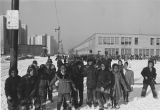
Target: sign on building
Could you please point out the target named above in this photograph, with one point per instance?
(12, 19)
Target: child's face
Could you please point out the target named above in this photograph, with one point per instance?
(115, 69)
(119, 63)
(90, 63)
(31, 72)
(63, 70)
(102, 66)
(150, 65)
(13, 73)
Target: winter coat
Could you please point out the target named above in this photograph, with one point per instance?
(105, 79)
(65, 83)
(11, 86)
(27, 88)
(129, 76)
(42, 84)
(51, 70)
(91, 74)
(77, 76)
(151, 75)
(118, 84)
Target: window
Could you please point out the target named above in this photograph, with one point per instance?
(122, 51)
(152, 41)
(126, 41)
(136, 41)
(158, 41)
(144, 52)
(117, 51)
(112, 40)
(130, 40)
(104, 40)
(140, 51)
(100, 40)
(151, 52)
(135, 51)
(147, 52)
(108, 40)
(122, 40)
(113, 51)
(116, 40)
(157, 51)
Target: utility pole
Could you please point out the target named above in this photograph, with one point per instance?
(14, 40)
(58, 29)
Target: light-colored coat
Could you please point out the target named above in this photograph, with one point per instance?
(129, 75)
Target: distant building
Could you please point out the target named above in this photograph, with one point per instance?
(120, 44)
(38, 40)
(52, 45)
(23, 34)
(4, 35)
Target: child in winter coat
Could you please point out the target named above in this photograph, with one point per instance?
(41, 88)
(104, 83)
(91, 74)
(11, 89)
(64, 85)
(27, 87)
(117, 88)
(149, 74)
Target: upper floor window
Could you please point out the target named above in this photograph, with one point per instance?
(136, 41)
(112, 40)
(126, 41)
(116, 40)
(122, 40)
(158, 41)
(152, 41)
(130, 41)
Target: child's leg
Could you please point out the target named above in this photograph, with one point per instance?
(89, 97)
(59, 101)
(100, 100)
(67, 98)
(144, 89)
(94, 97)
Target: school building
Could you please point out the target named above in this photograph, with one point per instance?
(119, 44)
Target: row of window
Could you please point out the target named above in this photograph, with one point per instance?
(124, 41)
(108, 40)
(128, 51)
(152, 41)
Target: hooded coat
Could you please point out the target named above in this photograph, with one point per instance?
(11, 86)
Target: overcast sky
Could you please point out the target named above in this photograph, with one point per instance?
(79, 19)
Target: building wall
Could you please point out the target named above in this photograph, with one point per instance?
(122, 44)
(30, 49)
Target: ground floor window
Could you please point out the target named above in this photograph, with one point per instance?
(151, 52)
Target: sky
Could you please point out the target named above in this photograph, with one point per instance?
(79, 19)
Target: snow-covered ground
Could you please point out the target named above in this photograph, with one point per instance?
(136, 102)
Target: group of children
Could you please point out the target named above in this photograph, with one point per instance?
(105, 83)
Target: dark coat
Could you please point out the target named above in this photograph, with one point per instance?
(151, 75)
(91, 74)
(65, 83)
(105, 79)
(27, 88)
(51, 70)
(42, 84)
(11, 86)
(77, 76)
